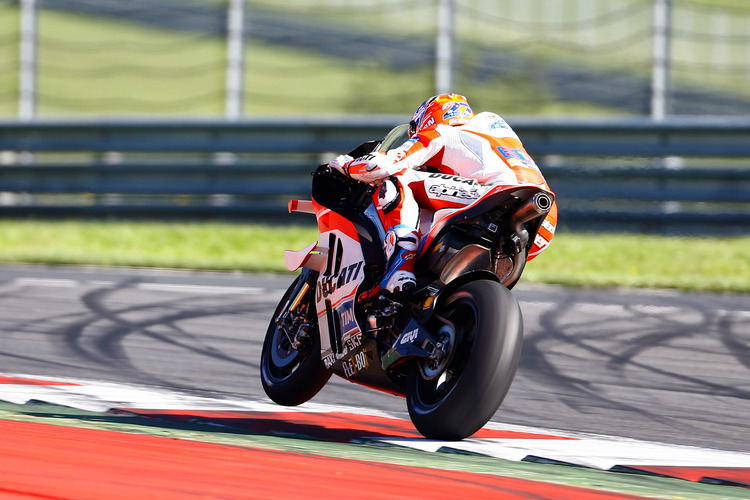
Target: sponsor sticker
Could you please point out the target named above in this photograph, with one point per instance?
(517, 154)
(440, 190)
(354, 341)
(456, 110)
(409, 336)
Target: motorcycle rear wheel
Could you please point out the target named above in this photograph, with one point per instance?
(488, 336)
(290, 376)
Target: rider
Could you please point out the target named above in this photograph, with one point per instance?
(452, 158)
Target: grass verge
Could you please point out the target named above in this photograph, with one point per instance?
(574, 259)
(98, 65)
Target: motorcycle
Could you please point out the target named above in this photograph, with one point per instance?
(450, 346)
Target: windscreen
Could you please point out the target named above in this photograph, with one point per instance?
(396, 137)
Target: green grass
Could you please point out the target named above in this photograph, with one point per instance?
(103, 66)
(100, 66)
(178, 245)
(96, 65)
(636, 260)
(573, 258)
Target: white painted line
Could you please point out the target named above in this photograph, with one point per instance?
(104, 284)
(63, 283)
(167, 287)
(157, 287)
(737, 312)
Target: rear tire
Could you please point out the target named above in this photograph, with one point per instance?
(291, 377)
(488, 337)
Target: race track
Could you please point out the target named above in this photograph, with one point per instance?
(649, 365)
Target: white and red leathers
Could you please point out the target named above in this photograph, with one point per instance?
(446, 167)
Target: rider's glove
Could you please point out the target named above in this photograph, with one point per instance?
(339, 163)
(374, 168)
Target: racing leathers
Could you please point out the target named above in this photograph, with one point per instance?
(444, 167)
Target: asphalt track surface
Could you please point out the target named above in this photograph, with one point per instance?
(651, 365)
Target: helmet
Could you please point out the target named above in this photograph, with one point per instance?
(445, 109)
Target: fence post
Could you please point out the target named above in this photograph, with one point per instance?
(444, 47)
(27, 60)
(235, 59)
(660, 60)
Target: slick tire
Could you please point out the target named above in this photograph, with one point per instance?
(291, 377)
(488, 336)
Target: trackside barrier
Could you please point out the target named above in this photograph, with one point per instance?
(680, 175)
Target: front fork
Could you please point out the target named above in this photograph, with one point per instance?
(298, 317)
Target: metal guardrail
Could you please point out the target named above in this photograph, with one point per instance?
(277, 135)
(677, 175)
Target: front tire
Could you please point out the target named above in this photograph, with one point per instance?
(488, 337)
(290, 374)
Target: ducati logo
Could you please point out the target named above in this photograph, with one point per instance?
(329, 284)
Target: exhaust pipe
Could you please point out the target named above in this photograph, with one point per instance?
(539, 204)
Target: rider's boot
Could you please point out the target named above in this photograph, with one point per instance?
(401, 251)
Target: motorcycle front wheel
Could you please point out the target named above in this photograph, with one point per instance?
(488, 333)
(292, 374)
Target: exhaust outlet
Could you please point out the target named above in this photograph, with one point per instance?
(539, 204)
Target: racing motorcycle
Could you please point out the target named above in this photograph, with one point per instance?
(450, 346)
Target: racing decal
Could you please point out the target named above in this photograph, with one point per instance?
(354, 341)
(350, 364)
(526, 170)
(338, 273)
(517, 154)
(454, 178)
(410, 336)
(499, 123)
(440, 190)
(547, 224)
(357, 363)
(453, 110)
(545, 234)
(540, 242)
(336, 287)
(329, 284)
(345, 313)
